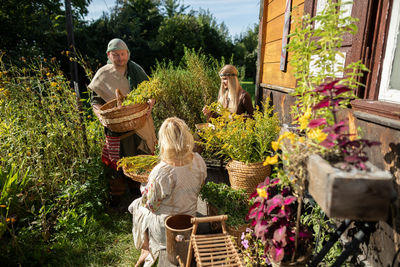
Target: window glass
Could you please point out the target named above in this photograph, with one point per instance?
(395, 75)
(389, 89)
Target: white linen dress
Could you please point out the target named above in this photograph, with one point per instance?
(170, 190)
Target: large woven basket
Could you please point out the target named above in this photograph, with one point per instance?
(141, 178)
(247, 176)
(120, 118)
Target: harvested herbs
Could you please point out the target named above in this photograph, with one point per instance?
(146, 90)
(139, 164)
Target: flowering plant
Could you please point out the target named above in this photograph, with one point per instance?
(273, 216)
(346, 148)
(239, 138)
(252, 249)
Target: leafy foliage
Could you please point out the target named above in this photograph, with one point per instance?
(252, 249)
(41, 130)
(347, 147)
(273, 216)
(139, 164)
(316, 57)
(145, 91)
(227, 200)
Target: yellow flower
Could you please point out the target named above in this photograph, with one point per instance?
(271, 160)
(262, 193)
(288, 135)
(3, 206)
(317, 134)
(54, 84)
(275, 145)
(301, 139)
(305, 118)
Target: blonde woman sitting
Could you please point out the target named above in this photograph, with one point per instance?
(231, 95)
(173, 188)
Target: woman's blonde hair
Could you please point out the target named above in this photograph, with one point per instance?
(175, 139)
(232, 93)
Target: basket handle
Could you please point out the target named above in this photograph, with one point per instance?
(119, 96)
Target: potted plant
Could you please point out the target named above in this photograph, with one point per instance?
(245, 141)
(342, 181)
(273, 216)
(222, 199)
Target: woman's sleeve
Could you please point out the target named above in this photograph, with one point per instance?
(158, 188)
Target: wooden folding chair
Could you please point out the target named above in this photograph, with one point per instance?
(212, 249)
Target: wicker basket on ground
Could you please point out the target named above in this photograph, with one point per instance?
(141, 178)
(120, 118)
(247, 176)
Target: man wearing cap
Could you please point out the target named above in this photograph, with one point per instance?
(121, 73)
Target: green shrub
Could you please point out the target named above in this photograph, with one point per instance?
(185, 89)
(227, 200)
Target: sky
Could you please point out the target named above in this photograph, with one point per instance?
(238, 15)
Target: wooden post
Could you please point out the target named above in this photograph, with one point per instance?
(74, 71)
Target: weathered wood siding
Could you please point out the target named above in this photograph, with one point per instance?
(273, 82)
(272, 31)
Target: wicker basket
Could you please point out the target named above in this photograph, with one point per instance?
(141, 178)
(247, 176)
(120, 118)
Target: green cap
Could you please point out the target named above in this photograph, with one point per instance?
(117, 44)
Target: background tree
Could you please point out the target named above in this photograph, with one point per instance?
(31, 28)
(245, 51)
(173, 7)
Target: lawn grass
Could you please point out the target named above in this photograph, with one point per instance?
(106, 244)
(106, 241)
(249, 86)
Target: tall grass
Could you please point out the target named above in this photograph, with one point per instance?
(41, 131)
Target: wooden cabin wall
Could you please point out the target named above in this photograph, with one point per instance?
(277, 85)
(385, 241)
(273, 82)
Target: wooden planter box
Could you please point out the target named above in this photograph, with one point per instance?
(356, 195)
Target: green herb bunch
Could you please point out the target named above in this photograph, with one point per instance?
(139, 164)
(228, 201)
(146, 90)
(316, 57)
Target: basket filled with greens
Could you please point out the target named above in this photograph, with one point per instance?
(138, 167)
(128, 113)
